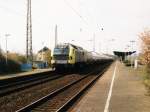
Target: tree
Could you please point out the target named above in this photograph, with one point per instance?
(145, 37)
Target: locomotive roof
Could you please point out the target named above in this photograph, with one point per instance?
(65, 45)
(61, 46)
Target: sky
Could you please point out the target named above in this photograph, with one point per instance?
(79, 21)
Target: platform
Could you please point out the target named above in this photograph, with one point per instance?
(120, 89)
(7, 76)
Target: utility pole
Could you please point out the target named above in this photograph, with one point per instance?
(29, 53)
(55, 35)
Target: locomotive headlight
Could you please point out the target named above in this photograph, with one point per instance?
(52, 61)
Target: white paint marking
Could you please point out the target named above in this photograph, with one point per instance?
(110, 91)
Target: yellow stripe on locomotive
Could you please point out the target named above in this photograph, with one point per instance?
(72, 58)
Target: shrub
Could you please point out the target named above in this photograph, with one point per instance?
(145, 37)
(13, 63)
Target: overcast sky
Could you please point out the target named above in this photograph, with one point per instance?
(78, 20)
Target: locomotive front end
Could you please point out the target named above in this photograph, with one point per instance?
(62, 57)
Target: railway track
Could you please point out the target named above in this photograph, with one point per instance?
(23, 84)
(18, 99)
(10, 82)
(9, 86)
(61, 98)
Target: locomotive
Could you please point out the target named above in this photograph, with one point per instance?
(67, 55)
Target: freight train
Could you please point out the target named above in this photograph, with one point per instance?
(67, 55)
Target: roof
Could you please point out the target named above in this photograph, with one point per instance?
(123, 54)
(63, 45)
(118, 53)
(44, 49)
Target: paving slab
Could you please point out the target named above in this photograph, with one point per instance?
(95, 99)
(125, 93)
(129, 92)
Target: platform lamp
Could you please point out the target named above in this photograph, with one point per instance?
(6, 36)
(132, 42)
(42, 51)
(127, 50)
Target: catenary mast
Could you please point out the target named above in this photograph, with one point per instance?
(29, 53)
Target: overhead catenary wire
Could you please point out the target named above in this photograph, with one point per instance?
(83, 6)
(76, 12)
(82, 18)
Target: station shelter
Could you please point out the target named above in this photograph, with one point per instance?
(123, 55)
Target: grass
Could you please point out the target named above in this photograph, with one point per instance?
(146, 79)
(144, 72)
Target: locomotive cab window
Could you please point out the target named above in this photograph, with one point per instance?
(58, 51)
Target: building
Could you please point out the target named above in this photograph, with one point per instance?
(44, 56)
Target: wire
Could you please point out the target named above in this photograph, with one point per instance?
(66, 2)
(92, 17)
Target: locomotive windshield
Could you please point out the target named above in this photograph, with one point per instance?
(61, 51)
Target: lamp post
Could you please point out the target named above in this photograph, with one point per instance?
(6, 36)
(132, 60)
(128, 51)
(42, 51)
